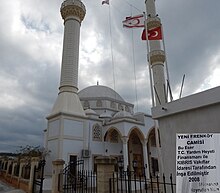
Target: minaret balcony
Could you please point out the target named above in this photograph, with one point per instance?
(157, 56)
(153, 22)
(73, 8)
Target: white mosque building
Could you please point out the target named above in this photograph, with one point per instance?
(95, 121)
(109, 128)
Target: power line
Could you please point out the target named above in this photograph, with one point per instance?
(110, 29)
(133, 6)
(134, 65)
(124, 13)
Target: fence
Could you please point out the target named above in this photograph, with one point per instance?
(38, 177)
(20, 173)
(75, 179)
(129, 182)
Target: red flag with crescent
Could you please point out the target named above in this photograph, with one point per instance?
(153, 34)
(134, 21)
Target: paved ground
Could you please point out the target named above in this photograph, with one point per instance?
(4, 188)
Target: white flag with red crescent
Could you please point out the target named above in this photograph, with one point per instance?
(134, 21)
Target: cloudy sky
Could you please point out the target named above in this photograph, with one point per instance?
(31, 36)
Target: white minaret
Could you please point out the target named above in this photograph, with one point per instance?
(156, 60)
(64, 135)
(73, 12)
(156, 56)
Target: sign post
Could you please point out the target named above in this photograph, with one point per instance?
(198, 163)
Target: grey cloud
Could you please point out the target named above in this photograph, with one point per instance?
(32, 59)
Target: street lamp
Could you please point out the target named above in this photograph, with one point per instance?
(135, 165)
(120, 166)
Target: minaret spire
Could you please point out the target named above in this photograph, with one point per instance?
(73, 13)
(156, 55)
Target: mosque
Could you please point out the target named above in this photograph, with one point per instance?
(109, 127)
(98, 121)
(95, 121)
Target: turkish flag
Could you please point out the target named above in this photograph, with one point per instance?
(153, 34)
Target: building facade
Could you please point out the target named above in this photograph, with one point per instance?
(97, 120)
(109, 128)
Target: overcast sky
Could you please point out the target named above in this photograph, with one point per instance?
(31, 36)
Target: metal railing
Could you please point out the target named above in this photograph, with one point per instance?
(38, 177)
(74, 179)
(129, 182)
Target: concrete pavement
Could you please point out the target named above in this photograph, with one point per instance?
(5, 188)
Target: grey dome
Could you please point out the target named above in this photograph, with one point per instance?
(90, 112)
(123, 114)
(106, 115)
(98, 91)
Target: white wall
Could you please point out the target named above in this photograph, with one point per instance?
(53, 128)
(73, 128)
(200, 120)
(53, 146)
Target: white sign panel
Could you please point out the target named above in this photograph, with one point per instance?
(198, 163)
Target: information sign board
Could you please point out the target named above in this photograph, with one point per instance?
(198, 163)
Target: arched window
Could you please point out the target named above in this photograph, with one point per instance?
(135, 139)
(114, 136)
(97, 132)
(99, 103)
(127, 109)
(86, 105)
(113, 105)
(152, 139)
(120, 107)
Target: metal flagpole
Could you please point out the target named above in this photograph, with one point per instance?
(112, 55)
(150, 72)
(166, 66)
(148, 57)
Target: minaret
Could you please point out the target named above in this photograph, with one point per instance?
(66, 121)
(73, 13)
(156, 56)
(156, 60)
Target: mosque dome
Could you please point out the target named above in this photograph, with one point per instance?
(106, 115)
(90, 112)
(123, 114)
(103, 100)
(99, 91)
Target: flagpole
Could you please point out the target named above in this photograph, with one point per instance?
(112, 55)
(151, 86)
(148, 57)
(166, 66)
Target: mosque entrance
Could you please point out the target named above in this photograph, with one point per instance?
(135, 153)
(153, 156)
